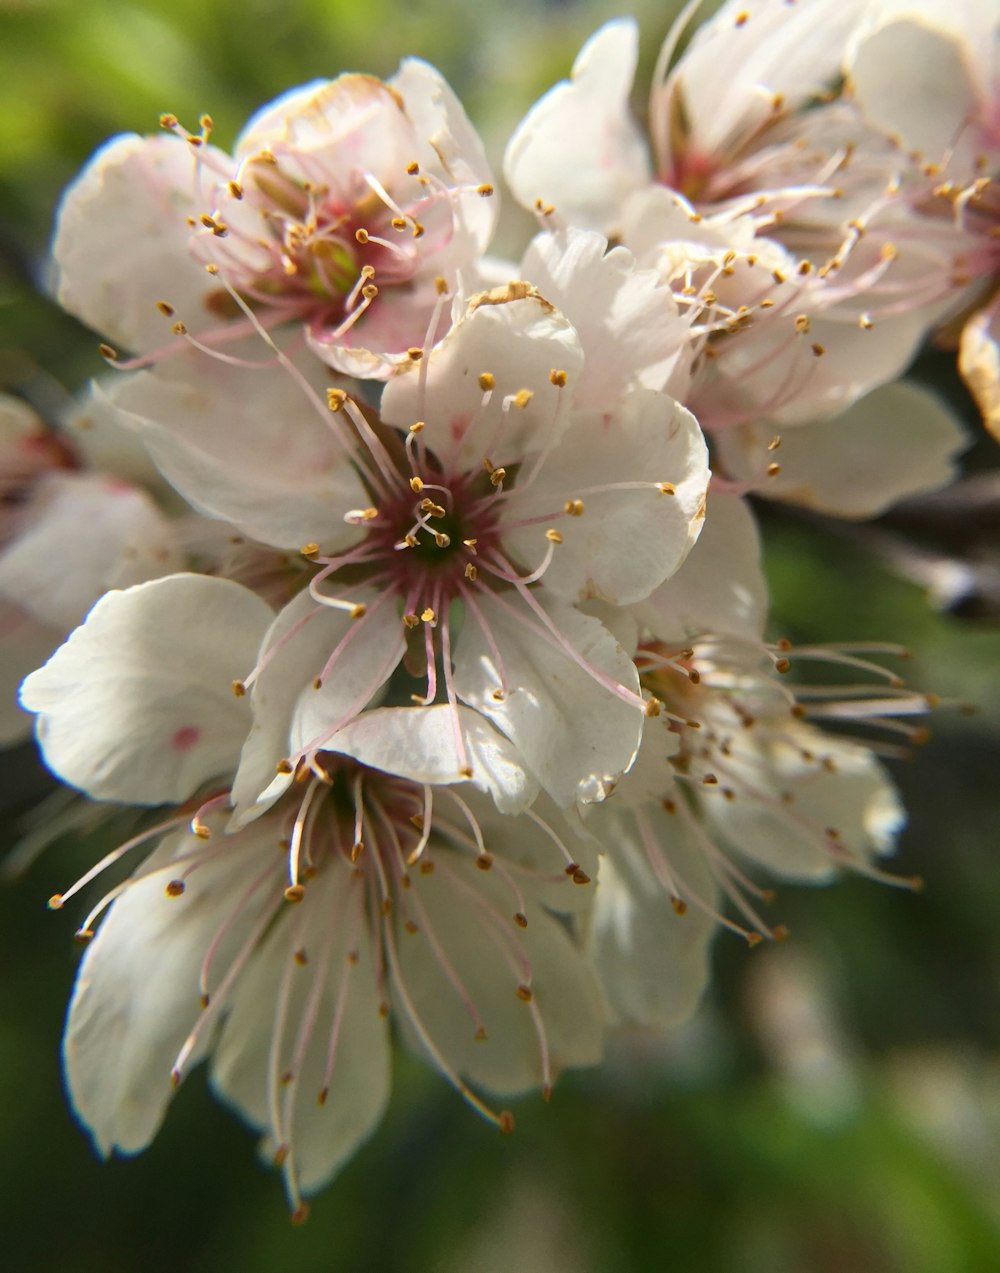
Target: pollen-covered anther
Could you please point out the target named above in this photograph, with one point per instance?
(710, 780)
(83, 935)
(361, 235)
(428, 615)
(411, 620)
(573, 508)
(416, 485)
(497, 475)
(524, 993)
(335, 399)
(471, 573)
(179, 328)
(580, 876)
(782, 665)
(774, 443)
(773, 470)
(284, 766)
(520, 919)
(109, 352)
(667, 488)
(358, 610)
(522, 398)
(653, 706)
(294, 893)
(174, 888)
(553, 536)
(802, 323)
(754, 939)
(465, 771)
(236, 190)
(55, 902)
(218, 228)
(558, 378)
(165, 308)
(309, 551)
(414, 353)
(487, 381)
(679, 905)
(484, 190)
(168, 120)
(418, 426)
(199, 829)
(818, 349)
(485, 861)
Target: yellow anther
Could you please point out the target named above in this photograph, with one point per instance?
(411, 620)
(524, 994)
(818, 349)
(369, 291)
(558, 378)
(653, 707)
(283, 766)
(441, 285)
(497, 476)
(361, 235)
(239, 689)
(774, 443)
(359, 610)
(418, 230)
(168, 121)
(418, 427)
(309, 551)
(165, 308)
(487, 381)
(398, 223)
(428, 615)
(294, 893)
(211, 269)
(414, 353)
(485, 190)
(236, 190)
(667, 488)
(416, 485)
(573, 507)
(742, 18)
(412, 168)
(553, 536)
(179, 329)
(174, 888)
(471, 573)
(107, 351)
(522, 398)
(335, 399)
(802, 323)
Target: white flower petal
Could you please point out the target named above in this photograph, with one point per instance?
(467, 911)
(626, 318)
(138, 704)
(652, 962)
(121, 242)
(56, 573)
(517, 338)
(420, 743)
(574, 731)
(287, 710)
(275, 997)
(720, 588)
(137, 994)
(246, 445)
(854, 797)
(579, 147)
(897, 441)
(628, 541)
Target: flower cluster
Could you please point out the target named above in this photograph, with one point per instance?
(444, 657)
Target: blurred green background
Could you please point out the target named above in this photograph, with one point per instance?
(835, 1106)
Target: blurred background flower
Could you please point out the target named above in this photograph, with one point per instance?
(835, 1106)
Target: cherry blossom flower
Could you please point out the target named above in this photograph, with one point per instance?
(733, 778)
(282, 948)
(348, 206)
(50, 573)
(496, 478)
(773, 206)
(955, 134)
